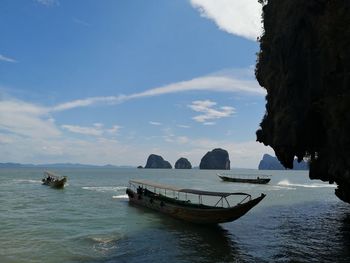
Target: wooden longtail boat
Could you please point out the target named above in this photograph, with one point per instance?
(54, 180)
(245, 179)
(154, 196)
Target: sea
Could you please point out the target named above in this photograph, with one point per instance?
(90, 220)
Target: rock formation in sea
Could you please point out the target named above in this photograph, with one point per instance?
(183, 163)
(157, 162)
(139, 167)
(217, 159)
(304, 65)
(269, 162)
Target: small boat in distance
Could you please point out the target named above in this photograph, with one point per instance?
(252, 179)
(54, 180)
(188, 204)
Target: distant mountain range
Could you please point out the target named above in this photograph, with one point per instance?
(272, 163)
(60, 165)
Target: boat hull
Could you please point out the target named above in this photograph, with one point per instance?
(55, 184)
(213, 215)
(245, 180)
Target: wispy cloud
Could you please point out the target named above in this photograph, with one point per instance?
(209, 112)
(96, 130)
(83, 130)
(183, 126)
(86, 102)
(234, 81)
(238, 17)
(7, 59)
(48, 3)
(27, 120)
(29, 134)
(80, 22)
(155, 123)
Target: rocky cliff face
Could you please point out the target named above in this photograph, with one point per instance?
(157, 162)
(217, 159)
(183, 163)
(269, 162)
(304, 64)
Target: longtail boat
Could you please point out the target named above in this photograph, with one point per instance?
(179, 202)
(53, 180)
(261, 179)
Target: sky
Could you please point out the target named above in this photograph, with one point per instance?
(111, 82)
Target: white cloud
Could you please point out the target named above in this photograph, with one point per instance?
(26, 119)
(114, 130)
(239, 81)
(96, 130)
(155, 123)
(183, 126)
(80, 22)
(182, 139)
(7, 59)
(238, 17)
(48, 2)
(209, 123)
(209, 113)
(83, 130)
(29, 134)
(86, 102)
(215, 83)
(246, 154)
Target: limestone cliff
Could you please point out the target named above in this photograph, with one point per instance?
(157, 162)
(304, 64)
(216, 159)
(269, 162)
(183, 163)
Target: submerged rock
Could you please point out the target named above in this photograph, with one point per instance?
(157, 162)
(304, 64)
(217, 159)
(271, 163)
(183, 163)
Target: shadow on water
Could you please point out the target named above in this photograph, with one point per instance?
(313, 232)
(203, 243)
(164, 239)
(345, 236)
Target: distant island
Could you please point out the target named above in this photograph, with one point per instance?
(183, 163)
(157, 162)
(60, 165)
(217, 159)
(271, 163)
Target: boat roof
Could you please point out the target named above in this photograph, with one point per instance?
(243, 175)
(185, 190)
(49, 173)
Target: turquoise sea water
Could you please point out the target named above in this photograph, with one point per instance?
(91, 221)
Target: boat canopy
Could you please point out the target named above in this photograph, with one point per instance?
(49, 173)
(244, 175)
(184, 190)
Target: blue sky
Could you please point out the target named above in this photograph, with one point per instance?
(114, 81)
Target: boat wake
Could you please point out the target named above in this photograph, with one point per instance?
(104, 189)
(104, 243)
(27, 181)
(286, 183)
(120, 196)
